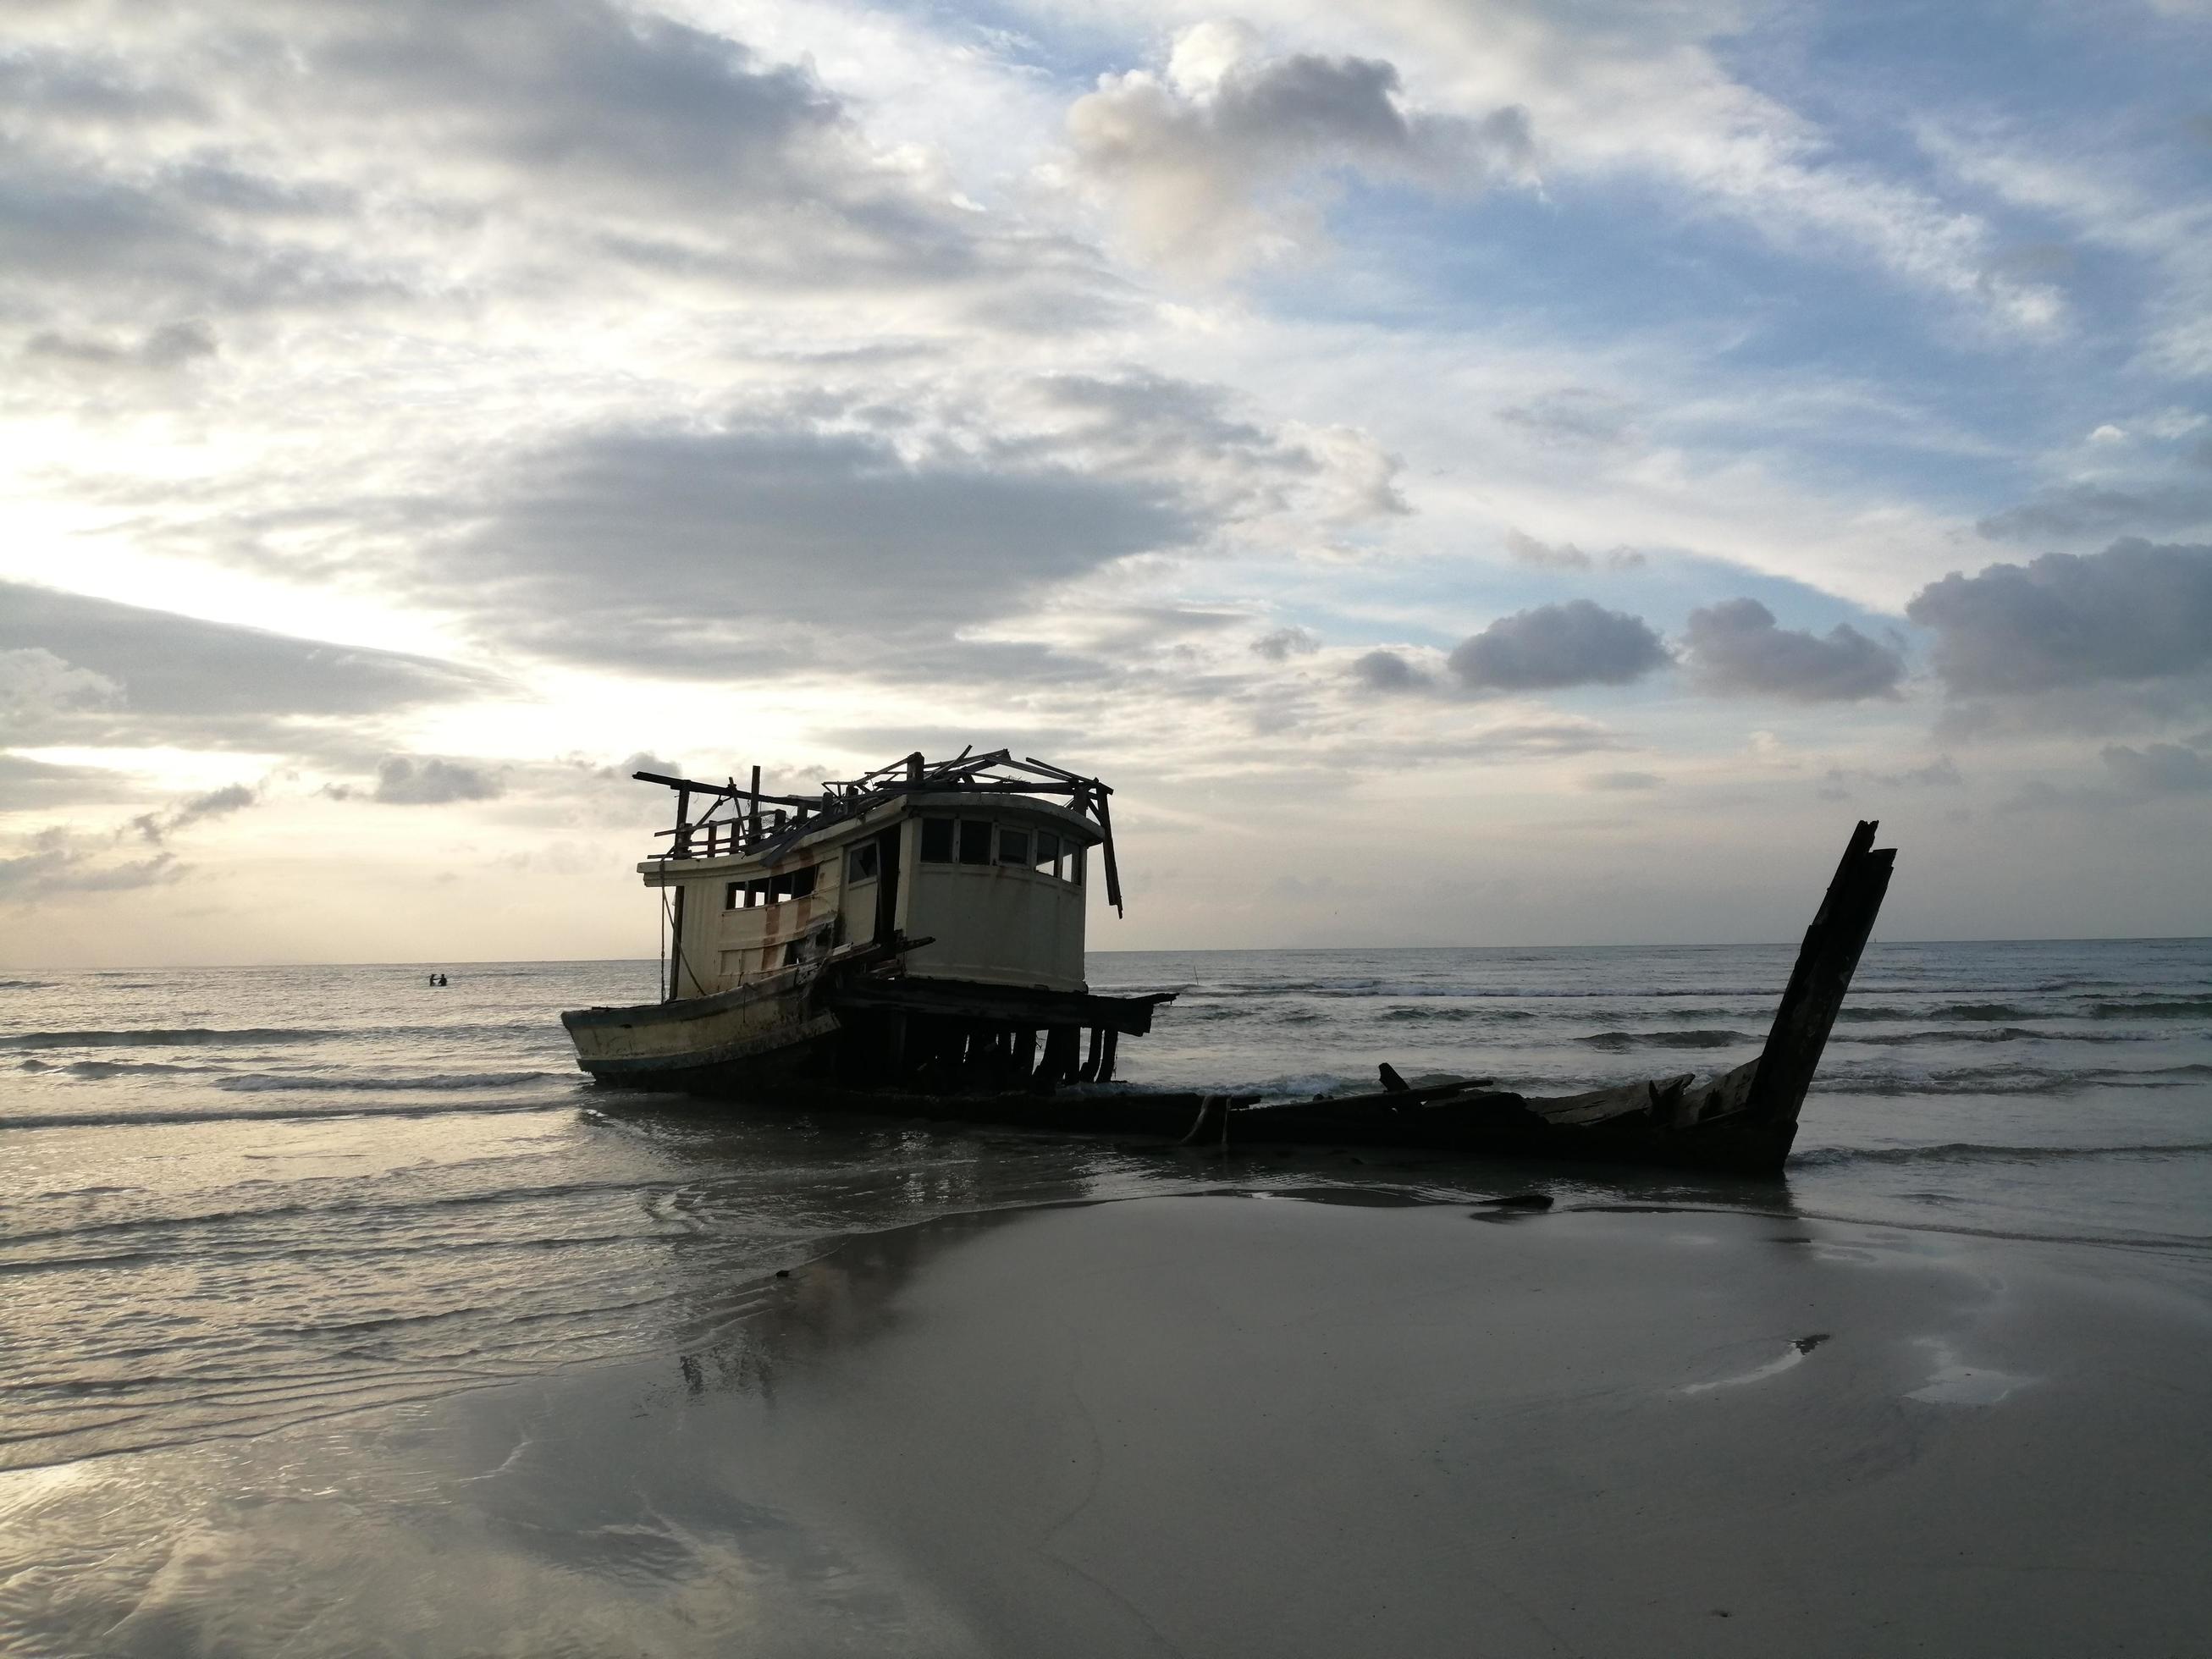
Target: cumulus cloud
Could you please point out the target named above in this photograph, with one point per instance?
(1552, 646)
(2136, 612)
(424, 780)
(1736, 648)
(1220, 161)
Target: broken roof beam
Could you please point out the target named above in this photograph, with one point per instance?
(727, 791)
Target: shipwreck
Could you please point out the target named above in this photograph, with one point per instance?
(911, 942)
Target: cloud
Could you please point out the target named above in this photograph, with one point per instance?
(93, 672)
(426, 780)
(27, 785)
(1633, 780)
(1565, 556)
(1387, 670)
(1574, 418)
(36, 686)
(684, 552)
(1555, 645)
(2099, 510)
(308, 160)
(2158, 769)
(59, 862)
(2136, 612)
(1223, 161)
(1941, 773)
(158, 827)
(1283, 643)
(1736, 648)
(158, 350)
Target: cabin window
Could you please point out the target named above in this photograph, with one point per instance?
(792, 885)
(974, 840)
(1075, 865)
(733, 895)
(791, 954)
(860, 863)
(937, 841)
(1047, 853)
(1013, 846)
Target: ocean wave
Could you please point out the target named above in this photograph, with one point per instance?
(1487, 1016)
(26, 985)
(1967, 1152)
(180, 1037)
(269, 1113)
(2010, 1080)
(1983, 1034)
(1620, 1040)
(107, 1068)
(2152, 1006)
(259, 1082)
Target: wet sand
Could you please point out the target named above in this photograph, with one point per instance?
(1238, 1426)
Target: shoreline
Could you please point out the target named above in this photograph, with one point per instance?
(1316, 1422)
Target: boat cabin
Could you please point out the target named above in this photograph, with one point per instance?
(987, 859)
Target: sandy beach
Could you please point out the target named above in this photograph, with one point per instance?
(1232, 1424)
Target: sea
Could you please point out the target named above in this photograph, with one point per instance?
(236, 1199)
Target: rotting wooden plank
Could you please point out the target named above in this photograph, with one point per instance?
(1826, 963)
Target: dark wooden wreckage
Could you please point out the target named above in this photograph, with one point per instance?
(909, 943)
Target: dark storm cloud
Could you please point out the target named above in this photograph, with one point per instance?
(1736, 649)
(151, 676)
(1552, 647)
(2136, 612)
(742, 551)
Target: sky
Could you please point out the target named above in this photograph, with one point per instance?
(1466, 471)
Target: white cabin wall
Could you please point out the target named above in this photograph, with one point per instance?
(996, 923)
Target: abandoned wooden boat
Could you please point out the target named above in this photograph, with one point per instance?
(900, 943)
